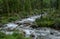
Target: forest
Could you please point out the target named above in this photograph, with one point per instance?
(12, 10)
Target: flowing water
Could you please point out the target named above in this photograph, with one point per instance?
(38, 33)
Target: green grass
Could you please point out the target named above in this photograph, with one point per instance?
(13, 36)
(45, 21)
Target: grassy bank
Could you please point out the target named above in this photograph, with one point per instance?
(13, 36)
(50, 20)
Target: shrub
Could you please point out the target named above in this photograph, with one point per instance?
(45, 22)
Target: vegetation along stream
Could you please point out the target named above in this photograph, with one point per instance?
(29, 19)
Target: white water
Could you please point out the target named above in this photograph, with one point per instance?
(40, 33)
(30, 19)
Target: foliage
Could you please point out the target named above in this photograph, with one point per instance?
(45, 22)
(11, 10)
(13, 36)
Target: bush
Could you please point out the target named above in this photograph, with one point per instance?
(2, 35)
(45, 22)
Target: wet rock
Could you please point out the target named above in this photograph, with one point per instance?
(34, 26)
(26, 24)
(56, 26)
(32, 35)
(51, 33)
(18, 23)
